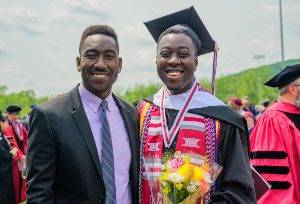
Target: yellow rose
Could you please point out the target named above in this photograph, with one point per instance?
(186, 171)
(198, 174)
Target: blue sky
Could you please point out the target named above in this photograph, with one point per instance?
(39, 39)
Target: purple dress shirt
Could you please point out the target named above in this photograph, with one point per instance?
(119, 137)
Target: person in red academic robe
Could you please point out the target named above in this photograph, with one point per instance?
(6, 180)
(16, 134)
(183, 117)
(275, 140)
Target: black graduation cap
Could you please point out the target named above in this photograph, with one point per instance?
(187, 17)
(285, 76)
(13, 109)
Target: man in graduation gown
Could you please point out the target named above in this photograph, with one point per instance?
(196, 121)
(6, 180)
(16, 134)
(275, 140)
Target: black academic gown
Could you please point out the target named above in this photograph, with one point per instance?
(6, 180)
(235, 183)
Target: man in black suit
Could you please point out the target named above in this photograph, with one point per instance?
(83, 145)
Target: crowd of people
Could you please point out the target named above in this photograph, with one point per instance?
(89, 146)
(249, 111)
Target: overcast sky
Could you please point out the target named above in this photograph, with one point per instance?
(39, 39)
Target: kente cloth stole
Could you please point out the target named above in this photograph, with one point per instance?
(197, 135)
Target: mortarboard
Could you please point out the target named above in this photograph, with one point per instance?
(13, 109)
(285, 76)
(187, 17)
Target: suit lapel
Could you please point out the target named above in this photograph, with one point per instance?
(83, 125)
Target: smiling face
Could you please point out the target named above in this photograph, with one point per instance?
(99, 64)
(176, 62)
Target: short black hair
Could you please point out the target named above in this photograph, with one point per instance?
(98, 29)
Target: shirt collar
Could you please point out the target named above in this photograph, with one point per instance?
(201, 99)
(169, 92)
(94, 101)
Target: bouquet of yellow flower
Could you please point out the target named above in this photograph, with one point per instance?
(184, 182)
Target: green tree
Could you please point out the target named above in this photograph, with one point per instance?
(24, 99)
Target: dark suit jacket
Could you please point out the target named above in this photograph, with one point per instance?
(63, 163)
(7, 195)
